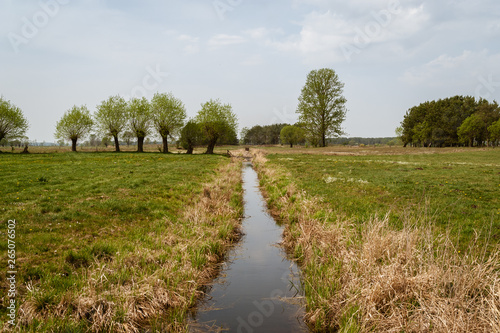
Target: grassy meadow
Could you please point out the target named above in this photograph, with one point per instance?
(115, 242)
(391, 239)
(460, 191)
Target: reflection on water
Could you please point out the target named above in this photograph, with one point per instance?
(257, 290)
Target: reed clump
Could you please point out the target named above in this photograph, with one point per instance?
(378, 278)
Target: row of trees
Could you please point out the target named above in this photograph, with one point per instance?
(274, 134)
(262, 135)
(321, 109)
(459, 120)
(164, 115)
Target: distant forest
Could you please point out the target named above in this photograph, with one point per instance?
(270, 135)
(455, 121)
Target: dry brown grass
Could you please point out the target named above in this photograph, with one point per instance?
(380, 279)
(139, 288)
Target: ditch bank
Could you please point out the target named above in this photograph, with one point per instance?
(258, 289)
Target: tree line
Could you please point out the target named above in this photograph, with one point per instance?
(454, 121)
(321, 108)
(164, 115)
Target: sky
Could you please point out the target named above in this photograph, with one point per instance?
(252, 54)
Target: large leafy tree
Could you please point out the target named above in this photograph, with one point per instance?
(13, 124)
(471, 130)
(190, 136)
(168, 114)
(322, 105)
(494, 132)
(218, 124)
(112, 118)
(75, 124)
(292, 135)
(140, 120)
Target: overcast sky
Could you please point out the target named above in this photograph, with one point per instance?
(253, 54)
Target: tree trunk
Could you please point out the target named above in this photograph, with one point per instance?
(117, 143)
(291, 145)
(323, 138)
(190, 149)
(165, 144)
(211, 146)
(140, 144)
(73, 144)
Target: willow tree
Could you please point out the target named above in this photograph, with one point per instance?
(140, 121)
(218, 124)
(190, 136)
(111, 117)
(168, 115)
(75, 124)
(13, 124)
(322, 105)
(292, 135)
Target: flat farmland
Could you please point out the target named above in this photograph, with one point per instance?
(114, 242)
(459, 190)
(390, 239)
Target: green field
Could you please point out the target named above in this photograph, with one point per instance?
(109, 241)
(459, 191)
(399, 240)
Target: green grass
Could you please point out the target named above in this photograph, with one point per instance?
(461, 191)
(121, 213)
(385, 241)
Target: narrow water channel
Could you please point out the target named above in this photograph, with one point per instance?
(257, 290)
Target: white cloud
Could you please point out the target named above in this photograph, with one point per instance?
(466, 66)
(473, 73)
(188, 38)
(225, 40)
(331, 37)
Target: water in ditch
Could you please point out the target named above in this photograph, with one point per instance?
(257, 290)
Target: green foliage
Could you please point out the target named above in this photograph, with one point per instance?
(322, 106)
(471, 130)
(112, 118)
(75, 124)
(218, 124)
(292, 135)
(13, 124)
(140, 120)
(263, 135)
(128, 136)
(436, 123)
(168, 114)
(494, 131)
(191, 136)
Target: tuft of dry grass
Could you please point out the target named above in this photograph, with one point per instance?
(155, 282)
(374, 278)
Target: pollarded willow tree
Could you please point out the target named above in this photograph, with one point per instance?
(168, 115)
(140, 121)
(13, 124)
(75, 124)
(111, 117)
(322, 105)
(218, 124)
